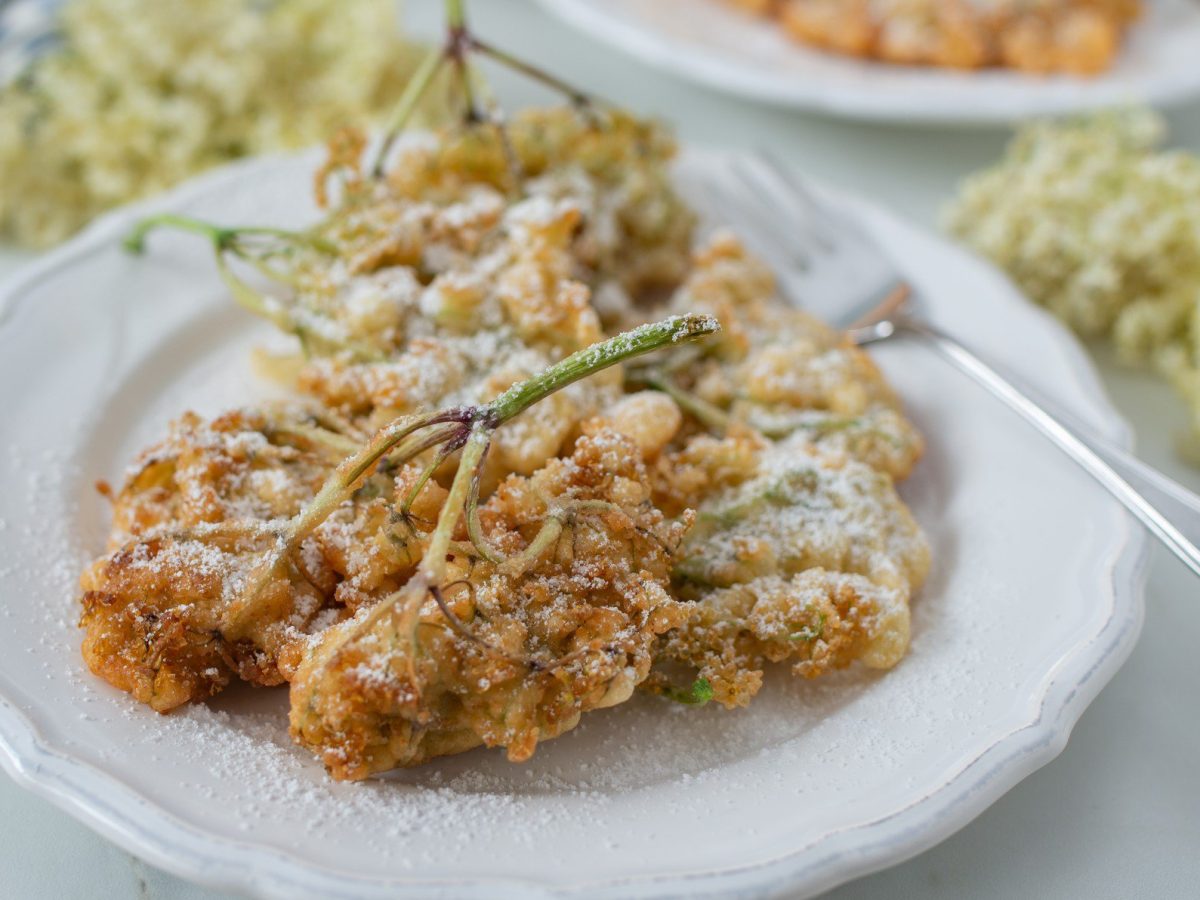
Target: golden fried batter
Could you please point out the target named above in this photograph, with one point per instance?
(635, 230)
(572, 631)
(726, 505)
(796, 553)
(823, 620)
(189, 525)
(441, 205)
(471, 333)
(781, 371)
(468, 268)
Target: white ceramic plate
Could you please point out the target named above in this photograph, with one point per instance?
(1034, 601)
(714, 44)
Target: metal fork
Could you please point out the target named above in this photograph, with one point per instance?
(820, 251)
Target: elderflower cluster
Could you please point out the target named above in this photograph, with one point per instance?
(138, 96)
(1095, 222)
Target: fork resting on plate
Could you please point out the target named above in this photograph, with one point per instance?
(823, 252)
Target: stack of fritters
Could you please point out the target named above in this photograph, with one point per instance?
(675, 524)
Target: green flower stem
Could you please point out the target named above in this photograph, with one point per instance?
(135, 241)
(581, 364)
(408, 435)
(577, 97)
(303, 238)
(432, 572)
(456, 50)
(475, 528)
(253, 301)
(433, 564)
(709, 415)
(423, 479)
(550, 531)
(413, 92)
(466, 82)
(316, 436)
(222, 238)
(456, 16)
(233, 242)
(405, 436)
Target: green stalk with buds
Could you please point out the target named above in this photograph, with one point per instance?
(256, 247)
(467, 431)
(455, 53)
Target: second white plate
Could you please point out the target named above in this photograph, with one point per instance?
(710, 42)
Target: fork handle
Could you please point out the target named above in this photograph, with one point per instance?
(1114, 468)
(1172, 499)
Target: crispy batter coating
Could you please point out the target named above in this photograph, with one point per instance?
(443, 289)
(635, 230)
(802, 550)
(165, 611)
(471, 333)
(781, 371)
(445, 193)
(190, 525)
(156, 619)
(573, 631)
(243, 464)
(797, 553)
(477, 263)
(1041, 36)
(820, 620)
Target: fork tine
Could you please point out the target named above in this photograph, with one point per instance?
(762, 238)
(849, 272)
(799, 211)
(786, 182)
(795, 249)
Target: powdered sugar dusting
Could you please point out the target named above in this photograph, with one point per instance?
(234, 759)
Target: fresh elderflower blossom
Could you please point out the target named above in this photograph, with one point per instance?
(142, 95)
(1095, 222)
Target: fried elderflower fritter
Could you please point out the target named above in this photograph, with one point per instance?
(447, 582)
(484, 527)
(634, 232)
(567, 624)
(802, 550)
(780, 371)
(797, 553)
(466, 267)
(471, 333)
(239, 540)
(189, 525)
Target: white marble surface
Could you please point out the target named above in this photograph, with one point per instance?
(1116, 816)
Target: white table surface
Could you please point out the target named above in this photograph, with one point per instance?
(1117, 815)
